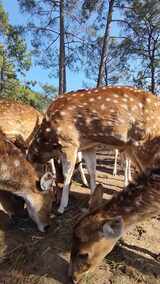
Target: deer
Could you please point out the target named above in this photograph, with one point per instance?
(19, 122)
(97, 232)
(18, 177)
(123, 118)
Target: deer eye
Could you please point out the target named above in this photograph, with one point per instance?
(83, 256)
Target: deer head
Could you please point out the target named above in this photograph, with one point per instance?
(19, 177)
(45, 144)
(96, 233)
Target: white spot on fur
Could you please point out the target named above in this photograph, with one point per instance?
(59, 129)
(115, 101)
(48, 129)
(140, 105)
(79, 115)
(99, 97)
(103, 107)
(96, 91)
(82, 95)
(91, 99)
(104, 88)
(124, 99)
(88, 120)
(63, 113)
(71, 107)
(124, 106)
(148, 100)
(116, 96)
(17, 163)
(112, 110)
(108, 99)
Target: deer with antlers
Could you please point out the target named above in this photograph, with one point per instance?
(121, 117)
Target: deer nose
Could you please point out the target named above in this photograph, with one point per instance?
(46, 228)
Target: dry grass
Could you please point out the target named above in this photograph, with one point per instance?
(29, 257)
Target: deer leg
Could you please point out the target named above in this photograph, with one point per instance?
(83, 177)
(68, 164)
(129, 170)
(90, 159)
(115, 162)
(52, 167)
(126, 172)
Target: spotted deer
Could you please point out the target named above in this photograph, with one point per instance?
(96, 233)
(124, 118)
(19, 122)
(18, 177)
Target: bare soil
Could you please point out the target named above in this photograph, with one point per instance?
(30, 257)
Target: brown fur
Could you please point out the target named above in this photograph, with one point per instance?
(138, 202)
(18, 177)
(19, 122)
(85, 119)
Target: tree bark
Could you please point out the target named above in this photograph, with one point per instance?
(104, 54)
(62, 68)
(2, 76)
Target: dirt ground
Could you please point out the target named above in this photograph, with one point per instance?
(30, 257)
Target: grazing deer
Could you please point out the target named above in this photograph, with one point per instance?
(124, 118)
(96, 234)
(18, 177)
(20, 122)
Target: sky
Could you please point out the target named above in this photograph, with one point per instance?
(74, 80)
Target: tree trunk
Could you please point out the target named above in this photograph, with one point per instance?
(153, 78)
(104, 54)
(62, 71)
(2, 76)
(152, 67)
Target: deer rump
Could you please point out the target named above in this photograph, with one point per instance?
(114, 116)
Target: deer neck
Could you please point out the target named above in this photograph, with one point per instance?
(140, 200)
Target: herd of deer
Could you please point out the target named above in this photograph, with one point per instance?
(75, 124)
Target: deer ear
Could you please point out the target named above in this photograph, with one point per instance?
(113, 228)
(96, 197)
(47, 181)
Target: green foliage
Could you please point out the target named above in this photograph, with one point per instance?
(14, 44)
(49, 90)
(3, 20)
(8, 81)
(142, 29)
(35, 99)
